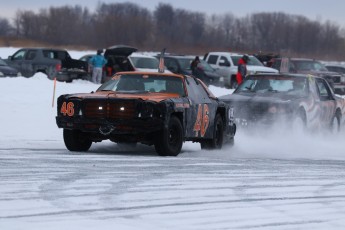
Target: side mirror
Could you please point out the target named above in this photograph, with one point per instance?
(9, 57)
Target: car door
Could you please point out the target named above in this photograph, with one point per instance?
(327, 102)
(201, 114)
(223, 66)
(17, 60)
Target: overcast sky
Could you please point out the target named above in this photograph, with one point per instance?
(333, 10)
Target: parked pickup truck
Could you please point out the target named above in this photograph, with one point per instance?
(225, 64)
(56, 63)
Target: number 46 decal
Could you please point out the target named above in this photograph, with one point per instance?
(202, 120)
(67, 109)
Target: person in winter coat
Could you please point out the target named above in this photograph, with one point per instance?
(194, 64)
(97, 61)
(242, 69)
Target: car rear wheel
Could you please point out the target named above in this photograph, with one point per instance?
(218, 135)
(76, 140)
(169, 142)
(335, 123)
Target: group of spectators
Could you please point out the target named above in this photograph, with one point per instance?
(98, 62)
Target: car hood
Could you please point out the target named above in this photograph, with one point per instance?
(119, 50)
(269, 97)
(260, 69)
(146, 96)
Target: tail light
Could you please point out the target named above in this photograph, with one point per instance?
(58, 67)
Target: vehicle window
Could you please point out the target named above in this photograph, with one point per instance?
(196, 91)
(325, 93)
(307, 65)
(31, 54)
(212, 59)
(276, 64)
(19, 55)
(144, 84)
(223, 61)
(291, 85)
(171, 65)
(48, 54)
(185, 63)
(2, 62)
(145, 62)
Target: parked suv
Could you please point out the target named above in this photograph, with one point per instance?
(225, 64)
(180, 64)
(311, 66)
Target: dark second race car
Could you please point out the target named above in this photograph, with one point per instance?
(287, 99)
(157, 109)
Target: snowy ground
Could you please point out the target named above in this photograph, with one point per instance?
(270, 181)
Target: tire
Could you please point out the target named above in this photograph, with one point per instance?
(335, 123)
(169, 142)
(76, 141)
(218, 135)
(299, 122)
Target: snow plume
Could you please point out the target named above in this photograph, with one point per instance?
(284, 143)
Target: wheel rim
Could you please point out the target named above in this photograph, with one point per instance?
(173, 136)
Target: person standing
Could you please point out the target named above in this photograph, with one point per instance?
(194, 64)
(97, 61)
(242, 69)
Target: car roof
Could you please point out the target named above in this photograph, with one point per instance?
(297, 59)
(136, 54)
(150, 73)
(229, 53)
(335, 65)
(298, 75)
(180, 56)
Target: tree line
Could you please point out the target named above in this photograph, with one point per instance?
(178, 30)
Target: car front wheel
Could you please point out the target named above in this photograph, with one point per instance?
(218, 135)
(169, 142)
(76, 141)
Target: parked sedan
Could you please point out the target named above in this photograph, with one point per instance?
(8, 71)
(266, 100)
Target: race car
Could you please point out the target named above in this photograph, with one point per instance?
(160, 109)
(307, 101)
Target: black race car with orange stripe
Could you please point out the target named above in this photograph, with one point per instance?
(160, 109)
(299, 101)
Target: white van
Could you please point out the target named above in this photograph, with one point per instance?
(225, 63)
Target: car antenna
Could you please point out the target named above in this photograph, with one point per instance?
(161, 62)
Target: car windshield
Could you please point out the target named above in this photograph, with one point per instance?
(276, 84)
(144, 83)
(2, 62)
(145, 62)
(252, 60)
(185, 63)
(307, 65)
